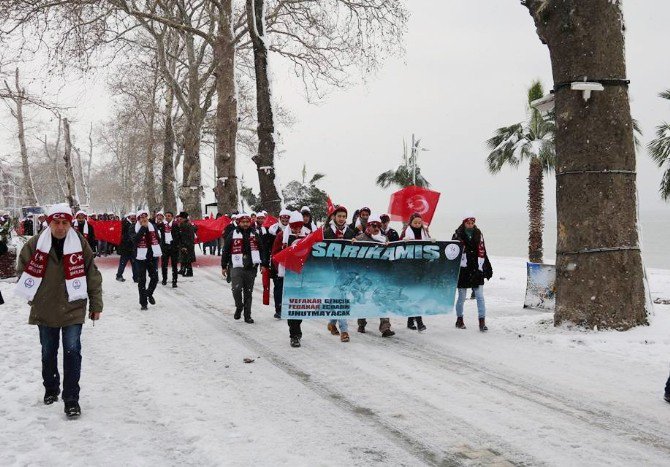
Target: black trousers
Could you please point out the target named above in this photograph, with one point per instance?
(243, 287)
(294, 328)
(149, 266)
(277, 291)
(667, 386)
(173, 258)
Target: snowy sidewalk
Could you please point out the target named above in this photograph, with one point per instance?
(169, 386)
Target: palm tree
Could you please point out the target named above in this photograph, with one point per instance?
(659, 150)
(404, 175)
(531, 140)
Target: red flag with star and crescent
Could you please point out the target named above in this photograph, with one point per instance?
(413, 199)
(295, 256)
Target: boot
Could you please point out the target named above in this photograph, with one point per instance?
(410, 323)
(361, 329)
(482, 325)
(332, 327)
(174, 284)
(388, 333)
(419, 324)
(344, 337)
(164, 282)
(667, 397)
(249, 320)
(72, 409)
(295, 342)
(51, 396)
(238, 314)
(459, 323)
(189, 272)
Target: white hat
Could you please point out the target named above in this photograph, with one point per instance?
(305, 209)
(160, 213)
(295, 218)
(142, 212)
(469, 215)
(284, 212)
(60, 211)
(253, 213)
(130, 214)
(374, 218)
(265, 213)
(242, 215)
(262, 214)
(81, 212)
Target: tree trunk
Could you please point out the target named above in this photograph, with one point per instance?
(88, 166)
(149, 177)
(226, 114)
(167, 180)
(535, 211)
(31, 197)
(600, 279)
(191, 187)
(266, 144)
(69, 172)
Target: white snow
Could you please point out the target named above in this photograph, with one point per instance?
(169, 386)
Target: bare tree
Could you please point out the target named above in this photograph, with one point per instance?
(600, 279)
(72, 198)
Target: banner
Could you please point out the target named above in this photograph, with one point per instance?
(210, 229)
(413, 199)
(541, 288)
(343, 280)
(107, 231)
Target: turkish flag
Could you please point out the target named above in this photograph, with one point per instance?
(107, 231)
(269, 221)
(330, 207)
(210, 229)
(295, 256)
(413, 199)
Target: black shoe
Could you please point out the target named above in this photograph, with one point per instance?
(459, 323)
(189, 273)
(482, 325)
(295, 342)
(388, 333)
(238, 314)
(72, 409)
(144, 307)
(667, 397)
(411, 325)
(151, 299)
(249, 320)
(421, 327)
(164, 282)
(120, 279)
(50, 397)
(361, 329)
(277, 316)
(174, 285)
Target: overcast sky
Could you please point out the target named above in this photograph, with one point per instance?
(465, 73)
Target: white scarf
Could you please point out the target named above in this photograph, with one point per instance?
(380, 237)
(274, 229)
(304, 231)
(335, 229)
(237, 249)
(409, 234)
(142, 246)
(73, 264)
(281, 270)
(168, 232)
(84, 232)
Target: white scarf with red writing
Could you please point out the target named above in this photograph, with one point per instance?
(83, 231)
(168, 232)
(237, 249)
(143, 247)
(73, 264)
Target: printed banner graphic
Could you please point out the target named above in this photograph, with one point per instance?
(343, 280)
(541, 289)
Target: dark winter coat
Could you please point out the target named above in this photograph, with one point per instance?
(91, 233)
(174, 246)
(125, 248)
(137, 236)
(328, 233)
(392, 235)
(50, 306)
(470, 275)
(187, 242)
(226, 254)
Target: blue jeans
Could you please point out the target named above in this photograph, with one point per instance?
(344, 326)
(479, 295)
(49, 338)
(123, 260)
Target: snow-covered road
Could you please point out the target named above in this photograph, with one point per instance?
(169, 386)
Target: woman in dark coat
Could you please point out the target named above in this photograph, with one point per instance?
(475, 267)
(186, 244)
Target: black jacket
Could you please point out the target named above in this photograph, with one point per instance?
(144, 231)
(125, 248)
(470, 276)
(187, 242)
(226, 253)
(91, 234)
(392, 235)
(328, 233)
(172, 247)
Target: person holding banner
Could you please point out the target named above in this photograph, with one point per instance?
(269, 240)
(373, 233)
(360, 220)
(147, 251)
(295, 232)
(58, 277)
(390, 233)
(415, 230)
(242, 253)
(307, 218)
(475, 267)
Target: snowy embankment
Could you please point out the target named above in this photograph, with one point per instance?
(170, 387)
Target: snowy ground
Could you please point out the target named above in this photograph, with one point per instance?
(169, 387)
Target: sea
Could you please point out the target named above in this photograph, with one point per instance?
(506, 234)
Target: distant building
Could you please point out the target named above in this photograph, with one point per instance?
(12, 195)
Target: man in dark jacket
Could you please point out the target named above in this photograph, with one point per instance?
(391, 234)
(125, 248)
(242, 253)
(475, 267)
(58, 278)
(168, 231)
(86, 229)
(146, 253)
(186, 244)
(337, 228)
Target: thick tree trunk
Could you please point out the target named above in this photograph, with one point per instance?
(69, 172)
(266, 144)
(29, 188)
(167, 180)
(149, 177)
(226, 114)
(535, 211)
(191, 186)
(600, 280)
